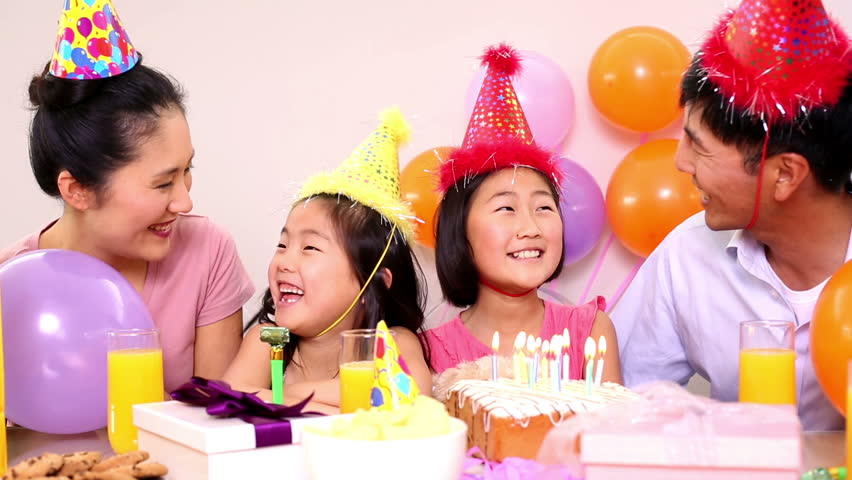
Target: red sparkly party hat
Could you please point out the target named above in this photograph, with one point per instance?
(776, 59)
(498, 135)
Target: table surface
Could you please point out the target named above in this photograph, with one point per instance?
(819, 449)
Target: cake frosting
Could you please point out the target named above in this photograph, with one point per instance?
(507, 399)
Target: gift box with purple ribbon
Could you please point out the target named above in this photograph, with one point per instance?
(213, 432)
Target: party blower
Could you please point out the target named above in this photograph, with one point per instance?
(277, 338)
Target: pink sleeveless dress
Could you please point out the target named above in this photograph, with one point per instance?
(452, 343)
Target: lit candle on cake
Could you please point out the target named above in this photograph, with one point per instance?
(537, 360)
(518, 357)
(555, 363)
(495, 346)
(566, 358)
(602, 351)
(590, 362)
(531, 360)
(545, 364)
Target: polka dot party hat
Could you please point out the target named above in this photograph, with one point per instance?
(91, 42)
(394, 385)
(498, 135)
(777, 59)
(370, 175)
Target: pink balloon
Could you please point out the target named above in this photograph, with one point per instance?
(68, 34)
(94, 48)
(100, 20)
(57, 308)
(545, 94)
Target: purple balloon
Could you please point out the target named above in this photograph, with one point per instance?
(545, 94)
(84, 26)
(57, 308)
(583, 210)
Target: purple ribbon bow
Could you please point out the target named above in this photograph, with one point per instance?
(271, 426)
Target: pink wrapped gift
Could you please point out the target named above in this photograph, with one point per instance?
(671, 434)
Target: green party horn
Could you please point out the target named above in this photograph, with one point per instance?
(277, 338)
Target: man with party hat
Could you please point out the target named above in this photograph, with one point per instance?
(768, 105)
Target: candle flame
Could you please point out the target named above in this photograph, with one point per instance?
(530, 344)
(602, 346)
(537, 342)
(556, 344)
(495, 341)
(519, 340)
(545, 348)
(590, 348)
(566, 339)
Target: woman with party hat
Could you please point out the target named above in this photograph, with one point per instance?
(343, 262)
(767, 140)
(500, 237)
(110, 140)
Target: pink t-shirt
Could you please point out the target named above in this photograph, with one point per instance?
(452, 343)
(201, 281)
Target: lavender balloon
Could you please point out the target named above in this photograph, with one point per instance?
(545, 94)
(583, 210)
(57, 308)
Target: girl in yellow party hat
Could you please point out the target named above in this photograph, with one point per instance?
(343, 262)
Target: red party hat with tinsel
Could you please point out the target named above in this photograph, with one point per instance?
(498, 135)
(777, 59)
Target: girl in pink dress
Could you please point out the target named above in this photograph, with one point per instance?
(499, 238)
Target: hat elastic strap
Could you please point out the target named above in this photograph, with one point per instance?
(759, 181)
(366, 284)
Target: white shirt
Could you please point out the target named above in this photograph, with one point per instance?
(681, 315)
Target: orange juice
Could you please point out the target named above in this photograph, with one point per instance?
(135, 375)
(768, 375)
(356, 383)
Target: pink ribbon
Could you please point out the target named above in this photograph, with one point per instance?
(477, 467)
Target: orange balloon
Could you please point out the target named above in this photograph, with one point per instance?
(418, 184)
(647, 197)
(634, 78)
(831, 336)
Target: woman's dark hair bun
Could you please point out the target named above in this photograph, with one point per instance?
(54, 93)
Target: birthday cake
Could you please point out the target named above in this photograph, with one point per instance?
(507, 419)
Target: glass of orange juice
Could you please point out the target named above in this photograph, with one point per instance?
(767, 362)
(134, 375)
(357, 369)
